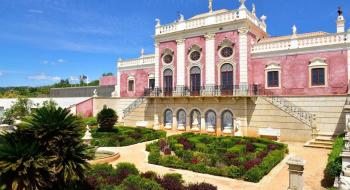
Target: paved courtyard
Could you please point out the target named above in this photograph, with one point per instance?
(277, 179)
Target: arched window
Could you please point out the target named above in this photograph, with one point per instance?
(210, 121)
(181, 119)
(168, 82)
(195, 80)
(195, 120)
(168, 119)
(226, 79)
(227, 121)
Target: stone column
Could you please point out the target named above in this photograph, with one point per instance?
(296, 170)
(210, 59)
(180, 67)
(156, 65)
(243, 56)
(155, 116)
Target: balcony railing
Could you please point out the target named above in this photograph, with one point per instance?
(184, 91)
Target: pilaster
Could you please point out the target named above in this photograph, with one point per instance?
(243, 55)
(210, 59)
(202, 123)
(180, 62)
(156, 64)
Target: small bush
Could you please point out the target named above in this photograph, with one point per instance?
(233, 172)
(123, 170)
(149, 175)
(135, 182)
(201, 186)
(334, 163)
(254, 175)
(154, 157)
(107, 118)
(172, 182)
(91, 121)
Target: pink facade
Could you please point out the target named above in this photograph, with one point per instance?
(199, 41)
(295, 73)
(140, 77)
(171, 45)
(108, 81)
(85, 108)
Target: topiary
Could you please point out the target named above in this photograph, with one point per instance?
(201, 186)
(172, 182)
(123, 170)
(106, 119)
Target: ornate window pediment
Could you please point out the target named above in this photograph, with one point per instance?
(226, 49)
(318, 73)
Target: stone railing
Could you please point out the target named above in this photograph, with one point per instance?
(144, 60)
(210, 19)
(301, 42)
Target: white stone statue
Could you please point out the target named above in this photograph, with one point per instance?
(157, 22)
(195, 123)
(263, 19)
(210, 6)
(348, 126)
(181, 17)
(142, 52)
(294, 29)
(95, 93)
(242, 4)
(253, 9)
(344, 183)
(87, 137)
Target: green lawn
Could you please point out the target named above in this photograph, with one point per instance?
(124, 136)
(235, 157)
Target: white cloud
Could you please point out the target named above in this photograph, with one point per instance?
(60, 61)
(35, 11)
(44, 77)
(1, 73)
(45, 62)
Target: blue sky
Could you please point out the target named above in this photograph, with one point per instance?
(42, 41)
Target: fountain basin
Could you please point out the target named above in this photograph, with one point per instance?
(105, 155)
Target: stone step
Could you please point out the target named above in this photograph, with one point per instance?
(325, 138)
(318, 146)
(316, 142)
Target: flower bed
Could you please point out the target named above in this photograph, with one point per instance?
(124, 136)
(235, 157)
(126, 176)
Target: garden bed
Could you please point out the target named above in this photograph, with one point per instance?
(124, 136)
(235, 157)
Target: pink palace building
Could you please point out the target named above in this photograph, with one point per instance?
(221, 73)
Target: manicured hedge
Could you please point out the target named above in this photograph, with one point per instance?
(126, 177)
(334, 163)
(235, 157)
(124, 136)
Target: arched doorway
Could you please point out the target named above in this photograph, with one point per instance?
(195, 81)
(210, 121)
(226, 79)
(227, 121)
(168, 82)
(181, 119)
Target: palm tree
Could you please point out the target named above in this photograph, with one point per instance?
(22, 165)
(59, 134)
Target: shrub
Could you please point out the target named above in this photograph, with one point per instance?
(128, 141)
(149, 175)
(334, 163)
(238, 149)
(254, 175)
(172, 182)
(187, 145)
(103, 170)
(201, 186)
(154, 157)
(123, 170)
(233, 171)
(201, 147)
(251, 163)
(137, 183)
(107, 118)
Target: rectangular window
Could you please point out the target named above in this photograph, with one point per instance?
(318, 77)
(272, 79)
(151, 83)
(130, 85)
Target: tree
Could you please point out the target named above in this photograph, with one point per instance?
(22, 165)
(46, 151)
(59, 134)
(50, 103)
(106, 119)
(20, 109)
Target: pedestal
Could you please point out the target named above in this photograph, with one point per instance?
(156, 122)
(296, 170)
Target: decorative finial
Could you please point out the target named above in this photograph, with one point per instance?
(142, 52)
(210, 6)
(294, 30)
(181, 17)
(158, 22)
(253, 9)
(340, 11)
(263, 19)
(242, 4)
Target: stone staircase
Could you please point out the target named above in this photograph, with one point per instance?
(323, 140)
(133, 106)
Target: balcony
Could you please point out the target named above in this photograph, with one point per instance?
(205, 91)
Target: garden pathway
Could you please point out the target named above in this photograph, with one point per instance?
(277, 179)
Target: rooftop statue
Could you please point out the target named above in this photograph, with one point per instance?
(242, 3)
(253, 9)
(294, 29)
(211, 6)
(340, 11)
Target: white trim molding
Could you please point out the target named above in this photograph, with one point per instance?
(273, 67)
(156, 61)
(180, 74)
(210, 59)
(131, 78)
(243, 56)
(315, 64)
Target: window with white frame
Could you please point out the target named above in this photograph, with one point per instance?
(131, 84)
(318, 72)
(273, 76)
(151, 81)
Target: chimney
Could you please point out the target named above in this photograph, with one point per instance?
(340, 21)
